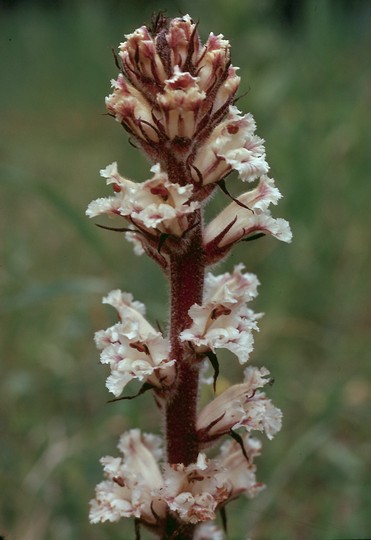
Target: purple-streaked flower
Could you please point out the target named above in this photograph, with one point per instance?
(232, 145)
(130, 108)
(236, 222)
(221, 328)
(195, 491)
(133, 348)
(175, 97)
(132, 482)
(157, 205)
(223, 321)
(241, 405)
(172, 92)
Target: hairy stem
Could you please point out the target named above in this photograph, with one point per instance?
(187, 271)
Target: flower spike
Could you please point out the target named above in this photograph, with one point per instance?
(176, 99)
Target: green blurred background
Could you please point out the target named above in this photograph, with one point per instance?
(305, 68)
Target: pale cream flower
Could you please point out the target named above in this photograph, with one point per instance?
(230, 288)
(232, 145)
(183, 40)
(133, 348)
(236, 222)
(221, 328)
(223, 321)
(130, 107)
(157, 205)
(180, 104)
(241, 468)
(241, 405)
(132, 483)
(195, 491)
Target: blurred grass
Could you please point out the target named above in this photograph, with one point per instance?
(309, 90)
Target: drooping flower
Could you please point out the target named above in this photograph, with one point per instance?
(133, 348)
(241, 405)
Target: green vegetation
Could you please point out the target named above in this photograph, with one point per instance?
(309, 90)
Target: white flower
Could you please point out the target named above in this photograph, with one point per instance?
(223, 328)
(182, 39)
(132, 483)
(236, 222)
(223, 321)
(232, 145)
(139, 49)
(213, 61)
(240, 467)
(228, 289)
(241, 405)
(133, 348)
(127, 307)
(195, 491)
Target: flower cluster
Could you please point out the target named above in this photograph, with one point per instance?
(155, 206)
(140, 485)
(175, 97)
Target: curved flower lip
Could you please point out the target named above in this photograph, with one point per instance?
(235, 222)
(229, 328)
(135, 485)
(223, 320)
(228, 289)
(232, 145)
(240, 406)
(195, 491)
(132, 483)
(133, 348)
(157, 205)
(240, 465)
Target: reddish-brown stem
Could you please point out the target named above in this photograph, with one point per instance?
(187, 279)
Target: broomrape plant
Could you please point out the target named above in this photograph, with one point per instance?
(175, 97)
